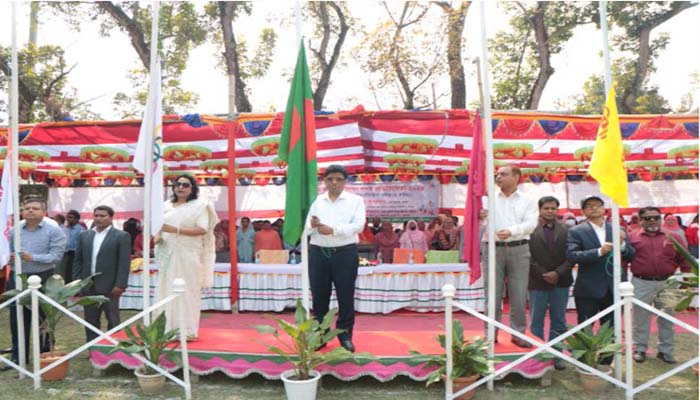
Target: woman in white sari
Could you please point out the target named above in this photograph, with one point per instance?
(185, 249)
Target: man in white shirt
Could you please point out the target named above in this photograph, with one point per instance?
(104, 250)
(516, 218)
(336, 218)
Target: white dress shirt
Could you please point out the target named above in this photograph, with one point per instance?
(346, 215)
(96, 244)
(517, 213)
(600, 233)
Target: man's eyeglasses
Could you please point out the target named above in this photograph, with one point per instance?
(652, 218)
(185, 185)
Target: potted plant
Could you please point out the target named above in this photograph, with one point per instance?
(591, 348)
(307, 337)
(153, 343)
(65, 295)
(469, 361)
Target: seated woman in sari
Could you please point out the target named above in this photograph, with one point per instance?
(413, 238)
(185, 248)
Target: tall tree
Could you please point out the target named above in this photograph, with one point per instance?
(181, 30)
(637, 54)
(391, 54)
(240, 66)
(521, 56)
(455, 29)
(330, 31)
(43, 94)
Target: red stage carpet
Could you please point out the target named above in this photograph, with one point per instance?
(229, 343)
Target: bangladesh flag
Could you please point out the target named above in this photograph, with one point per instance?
(298, 150)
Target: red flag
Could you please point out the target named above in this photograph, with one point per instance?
(476, 189)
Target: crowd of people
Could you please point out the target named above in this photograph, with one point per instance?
(537, 247)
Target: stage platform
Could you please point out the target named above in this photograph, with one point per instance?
(228, 343)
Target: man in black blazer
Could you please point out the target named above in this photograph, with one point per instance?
(589, 245)
(106, 251)
(550, 273)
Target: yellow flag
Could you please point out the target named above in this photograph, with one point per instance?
(608, 161)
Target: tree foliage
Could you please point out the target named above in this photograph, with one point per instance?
(390, 56)
(637, 56)
(237, 60)
(43, 93)
(455, 18)
(332, 22)
(181, 29)
(521, 56)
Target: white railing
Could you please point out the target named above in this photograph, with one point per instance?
(35, 285)
(627, 292)
(22, 371)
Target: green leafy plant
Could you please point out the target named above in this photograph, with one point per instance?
(468, 357)
(64, 294)
(152, 341)
(590, 348)
(307, 336)
(685, 284)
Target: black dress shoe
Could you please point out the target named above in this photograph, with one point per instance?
(639, 356)
(520, 343)
(6, 351)
(347, 345)
(666, 357)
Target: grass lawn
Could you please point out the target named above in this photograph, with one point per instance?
(119, 383)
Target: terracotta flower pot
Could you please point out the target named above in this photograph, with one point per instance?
(57, 373)
(150, 384)
(593, 383)
(462, 382)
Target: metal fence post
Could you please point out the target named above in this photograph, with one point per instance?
(179, 291)
(627, 293)
(448, 292)
(34, 285)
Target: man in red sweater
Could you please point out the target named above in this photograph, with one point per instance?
(655, 261)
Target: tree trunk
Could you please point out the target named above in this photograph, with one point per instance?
(33, 22)
(544, 56)
(138, 42)
(328, 66)
(455, 29)
(231, 57)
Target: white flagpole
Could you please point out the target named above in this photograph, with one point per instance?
(488, 141)
(617, 261)
(297, 22)
(148, 177)
(14, 146)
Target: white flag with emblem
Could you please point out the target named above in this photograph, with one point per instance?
(5, 211)
(153, 112)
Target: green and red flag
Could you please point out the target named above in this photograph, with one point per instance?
(298, 150)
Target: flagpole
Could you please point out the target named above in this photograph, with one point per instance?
(617, 260)
(13, 151)
(491, 186)
(148, 177)
(297, 20)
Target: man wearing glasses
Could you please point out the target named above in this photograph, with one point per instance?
(335, 219)
(655, 261)
(589, 245)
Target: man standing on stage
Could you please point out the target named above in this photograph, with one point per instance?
(655, 260)
(335, 219)
(550, 274)
(516, 218)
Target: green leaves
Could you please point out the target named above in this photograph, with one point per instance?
(151, 341)
(590, 347)
(307, 335)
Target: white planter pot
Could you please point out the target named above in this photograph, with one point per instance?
(300, 390)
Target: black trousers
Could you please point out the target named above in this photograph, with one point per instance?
(587, 307)
(27, 312)
(93, 314)
(66, 266)
(328, 268)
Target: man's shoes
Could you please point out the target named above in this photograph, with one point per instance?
(520, 343)
(347, 345)
(559, 364)
(666, 357)
(4, 368)
(6, 351)
(639, 356)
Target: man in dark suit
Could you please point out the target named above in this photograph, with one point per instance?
(104, 250)
(550, 273)
(589, 245)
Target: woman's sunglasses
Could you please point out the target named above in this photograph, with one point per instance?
(185, 185)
